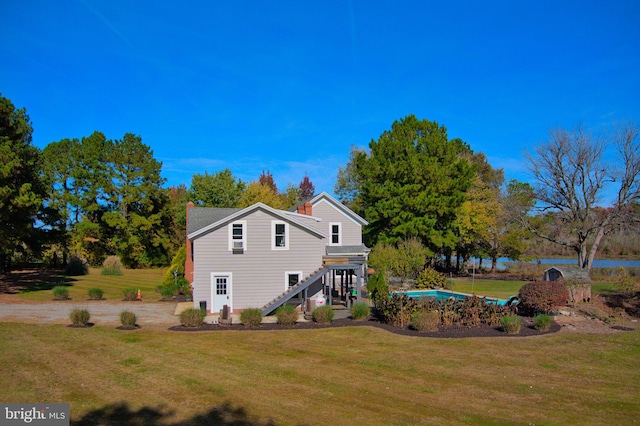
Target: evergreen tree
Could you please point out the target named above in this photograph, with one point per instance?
(22, 189)
(412, 183)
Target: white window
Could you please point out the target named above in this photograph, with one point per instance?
(335, 234)
(280, 235)
(238, 236)
(291, 279)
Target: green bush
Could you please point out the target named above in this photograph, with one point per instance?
(360, 311)
(130, 293)
(323, 314)
(251, 317)
(430, 278)
(128, 318)
(60, 292)
(111, 266)
(167, 291)
(541, 296)
(95, 293)
(184, 287)
(76, 266)
(79, 317)
(425, 321)
(511, 324)
(287, 315)
(377, 287)
(192, 317)
(542, 322)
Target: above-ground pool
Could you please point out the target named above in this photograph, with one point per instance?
(441, 295)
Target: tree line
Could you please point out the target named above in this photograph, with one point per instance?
(415, 183)
(93, 197)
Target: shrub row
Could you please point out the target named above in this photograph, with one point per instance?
(82, 316)
(400, 310)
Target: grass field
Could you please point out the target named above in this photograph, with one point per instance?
(113, 285)
(335, 376)
(501, 289)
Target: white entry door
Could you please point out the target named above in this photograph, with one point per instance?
(220, 291)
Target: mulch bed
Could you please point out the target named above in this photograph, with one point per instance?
(87, 325)
(443, 332)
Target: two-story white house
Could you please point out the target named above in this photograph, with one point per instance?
(261, 257)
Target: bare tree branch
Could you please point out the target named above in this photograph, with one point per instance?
(571, 173)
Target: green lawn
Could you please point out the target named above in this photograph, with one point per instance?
(340, 376)
(112, 285)
(501, 289)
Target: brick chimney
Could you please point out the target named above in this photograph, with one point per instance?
(306, 208)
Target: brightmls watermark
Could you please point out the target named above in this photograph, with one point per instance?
(34, 414)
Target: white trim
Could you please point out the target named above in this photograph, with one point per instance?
(338, 206)
(229, 276)
(243, 223)
(286, 278)
(284, 215)
(273, 235)
(331, 225)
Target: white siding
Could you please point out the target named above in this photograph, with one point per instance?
(258, 273)
(351, 230)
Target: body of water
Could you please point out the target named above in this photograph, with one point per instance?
(597, 263)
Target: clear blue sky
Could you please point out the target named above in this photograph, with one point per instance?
(291, 86)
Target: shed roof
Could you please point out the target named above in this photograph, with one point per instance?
(571, 272)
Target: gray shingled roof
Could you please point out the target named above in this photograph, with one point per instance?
(343, 250)
(199, 217)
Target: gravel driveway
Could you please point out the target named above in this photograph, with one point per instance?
(102, 312)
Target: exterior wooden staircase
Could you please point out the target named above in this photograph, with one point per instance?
(293, 291)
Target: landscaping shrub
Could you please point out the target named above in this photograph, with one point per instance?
(76, 266)
(287, 315)
(167, 291)
(128, 318)
(184, 288)
(251, 317)
(323, 314)
(425, 321)
(396, 310)
(130, 293)
(430, 278)
(111, 266)
(95, 293)
(377, 287)
(542, 322)
(60, 292)
(192, 317)
(511, 324)
(542, 296)
(360, 311)
(79, 317)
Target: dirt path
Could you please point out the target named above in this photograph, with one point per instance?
(150, 314)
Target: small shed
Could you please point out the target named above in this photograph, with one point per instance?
(575, 278)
